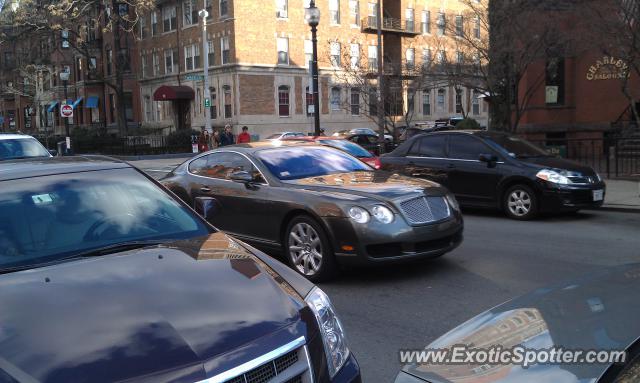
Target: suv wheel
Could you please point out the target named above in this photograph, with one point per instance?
(308, 250)
(520, 202)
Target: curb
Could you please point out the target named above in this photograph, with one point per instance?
(619, 209)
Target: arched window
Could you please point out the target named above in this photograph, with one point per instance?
(440, 99)
(228, 110)
(283, 101)
(309, 103)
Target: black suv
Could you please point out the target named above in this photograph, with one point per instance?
(491, 169)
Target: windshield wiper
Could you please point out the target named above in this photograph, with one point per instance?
(116, 248)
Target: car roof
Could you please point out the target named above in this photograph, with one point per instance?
(37, 167)
(13, 136)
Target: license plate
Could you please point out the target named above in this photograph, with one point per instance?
(598, 195)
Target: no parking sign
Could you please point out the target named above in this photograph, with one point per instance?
(66, 111)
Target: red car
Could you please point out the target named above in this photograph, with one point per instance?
(340, 143)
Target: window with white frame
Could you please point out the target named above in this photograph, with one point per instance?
(283, 101)
(170, 61)
(334, 51)
(308, 53)
(354, 12)
(441, 58)
(459, 57)
(410, 57)
(354, 54)
(224, 8)
(309, 105)
(154, 23)
(476, 27)
(440, 100)
(334, 12)
(459, 96)
(169, 18)
(213, 110)
(355, 102)
(189, 12)
(142, 26)
(228, 108)
(426, 22)
(459, 26)
(282, 44)
(192, 57)
(224, 49)
(372, 18)
(155, 60)
(143, 66)
(335, 98)
(211, 52)
(409, 16)
(282, 9)
(426, 57)
(426, 102)
(442, 23)
(372, 57)
(475, 103)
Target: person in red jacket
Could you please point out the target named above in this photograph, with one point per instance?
(244, 137)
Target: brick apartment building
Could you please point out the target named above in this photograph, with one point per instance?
(258, 75)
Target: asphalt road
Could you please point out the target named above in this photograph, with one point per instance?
(407, 306)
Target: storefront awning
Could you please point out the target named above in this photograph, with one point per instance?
(52, 106)
(92, 102)
(76, 102)
(168, 93)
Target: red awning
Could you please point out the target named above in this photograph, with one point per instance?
(168, 93)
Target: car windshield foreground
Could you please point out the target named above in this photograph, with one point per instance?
(293, 163)
(54, 217)
(515, 146)
(23, 147)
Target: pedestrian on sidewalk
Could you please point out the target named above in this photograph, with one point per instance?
(202, 143)
(226, 138)
(216, 139)
(244, 137)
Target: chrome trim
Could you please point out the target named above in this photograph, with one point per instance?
(222, 179)
(448, 159)
(257, 362)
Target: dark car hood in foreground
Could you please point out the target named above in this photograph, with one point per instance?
(598, 312)
(141, 312)
(557, 163)
(374, 184)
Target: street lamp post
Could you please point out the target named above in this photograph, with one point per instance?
(312, 17)
(205, 51)
(64, 76)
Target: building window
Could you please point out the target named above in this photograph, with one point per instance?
(169, 18)
(554, 81)
(170, 61)
(308, 53)
(459, 57)
(128, 106)
(372, 58)
(475, 103)
(373, 102)
(426, 58)
(228, 110)
(224, 48)
(354, 12)
(355, 102)
(426, 102)
(441, 57)
(211, 53)
(334, 12)
(154, 23)
(409, 15)
(283, 101)
(354, 54)
(459, 95)
(112, 108)
(442, 23)
(143, 66)
(372, 19)
(426, 22)
(142, 22)
(79, 69)
(192, 57)
(441, 99)
(224, 8)
(189, 12)
(282, 9)
(109, 61)
(476, 28)
(155, 60)
(309, 103)
(335, 98)
(334, 49)
(410, 57)
(208, 5)
(282, 44)
(214, 103)
(459, 26)
(148, 113)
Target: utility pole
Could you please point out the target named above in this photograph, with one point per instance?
(381, 121)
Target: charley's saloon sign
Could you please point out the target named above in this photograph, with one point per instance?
(608, 68)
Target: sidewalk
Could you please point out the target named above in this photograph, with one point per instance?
(622, 195)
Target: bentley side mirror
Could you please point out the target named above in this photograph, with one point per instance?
(490, 159)
(53, 152)
(207, 207)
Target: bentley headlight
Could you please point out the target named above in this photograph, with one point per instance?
(453, 202)
(382, 214)
(553, 177)
(333, 338)
(359, 214)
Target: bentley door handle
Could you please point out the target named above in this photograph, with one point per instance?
(205, 189)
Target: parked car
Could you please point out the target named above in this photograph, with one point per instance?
(368, 131)
(369, 142)
(593, 313)
(16, 146)
(319, 205)
(340, 143)
(497, 170)
(106, 276)
(281, 135)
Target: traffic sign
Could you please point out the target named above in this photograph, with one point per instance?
(66, 111)
(194, 77)
(207, 103)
